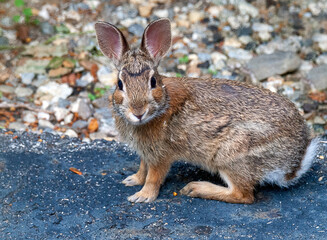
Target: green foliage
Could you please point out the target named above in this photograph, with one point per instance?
(16, 18)
(91, 96)
(26, 12)
(19, 3)
(183, 59)
(212, 72)
(179, 75)
(62, 29)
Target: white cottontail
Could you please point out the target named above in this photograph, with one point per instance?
(246, 134)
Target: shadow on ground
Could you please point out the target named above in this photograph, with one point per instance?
(41, 199)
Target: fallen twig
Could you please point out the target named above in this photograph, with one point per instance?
(22, 105)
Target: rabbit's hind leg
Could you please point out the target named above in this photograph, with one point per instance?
(231, 194)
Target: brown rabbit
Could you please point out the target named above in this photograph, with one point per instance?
(246, 134)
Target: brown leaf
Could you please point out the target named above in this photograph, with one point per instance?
(23, 33)
(59, 72)
(93, 125)
(75, 170)
(94, 70)
(318, 96)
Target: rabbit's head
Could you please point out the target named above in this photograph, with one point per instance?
(140, 94)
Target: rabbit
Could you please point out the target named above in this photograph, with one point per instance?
(246, 134)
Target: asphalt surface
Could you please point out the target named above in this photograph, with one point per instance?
(40, 198)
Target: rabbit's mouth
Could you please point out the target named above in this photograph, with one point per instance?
(139, 118)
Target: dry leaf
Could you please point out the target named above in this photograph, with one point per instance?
(93, 125)
(75, 170)
(318, 96)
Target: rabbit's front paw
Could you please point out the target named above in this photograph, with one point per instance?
(132, 180)
(143, 196)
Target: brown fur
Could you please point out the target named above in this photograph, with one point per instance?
(240, 131)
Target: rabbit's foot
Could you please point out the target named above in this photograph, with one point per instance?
(133, 180)
(143, 196)
(208, 190)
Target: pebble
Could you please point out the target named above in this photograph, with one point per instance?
(262, 27)
(19, 126)
(136, 29)
(145, 10)
(71, 133)
(322, 59)
(28, 117)
(85, 80)
(81, 107)
(247, 8)
(321, 39)
(56, 90)
(106, 76)
(195, 16)
(161, 13)
(43, 116)
(23, 92)
(60, 113)
(69, 118)
(318, 77)
(4, 41)
(7, 89)
(45, 124)
(27, 77)
(79, 125)
(98, 135)
(239, 54)
(47, 28)
(266, 65)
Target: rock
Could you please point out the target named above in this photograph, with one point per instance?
(244, 31)
(321, 40)
(239, 54)
(232, 42)
(47, 28)
(161, 13)
(45, 124)
(318, 77)
(266, 65)
(106, 76)
(310, 107)
(28, 117)
(40, 80)
(43, 116)
(23, 92)
(195, 16)
(27, 77)
(4, 41)
(81, 107)
(273, 83)
(306, 66)
(7, 22)
(319, 120)
(79, 125)
(60, 113)
(262, 27)
(59, 72)
(101, 102)
(98, 135)
(145, 10)
(56, 90)
(33, 66)
(322, 59)
(69, 118)
(136, 29)
(71, 133)
(215, 11)
(6, 89)
(17, 126)
(247, 8)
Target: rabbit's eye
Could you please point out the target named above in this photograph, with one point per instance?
(153, 82)
(120, 85)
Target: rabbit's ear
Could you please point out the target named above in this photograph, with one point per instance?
(156, 39)
(111, 41)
